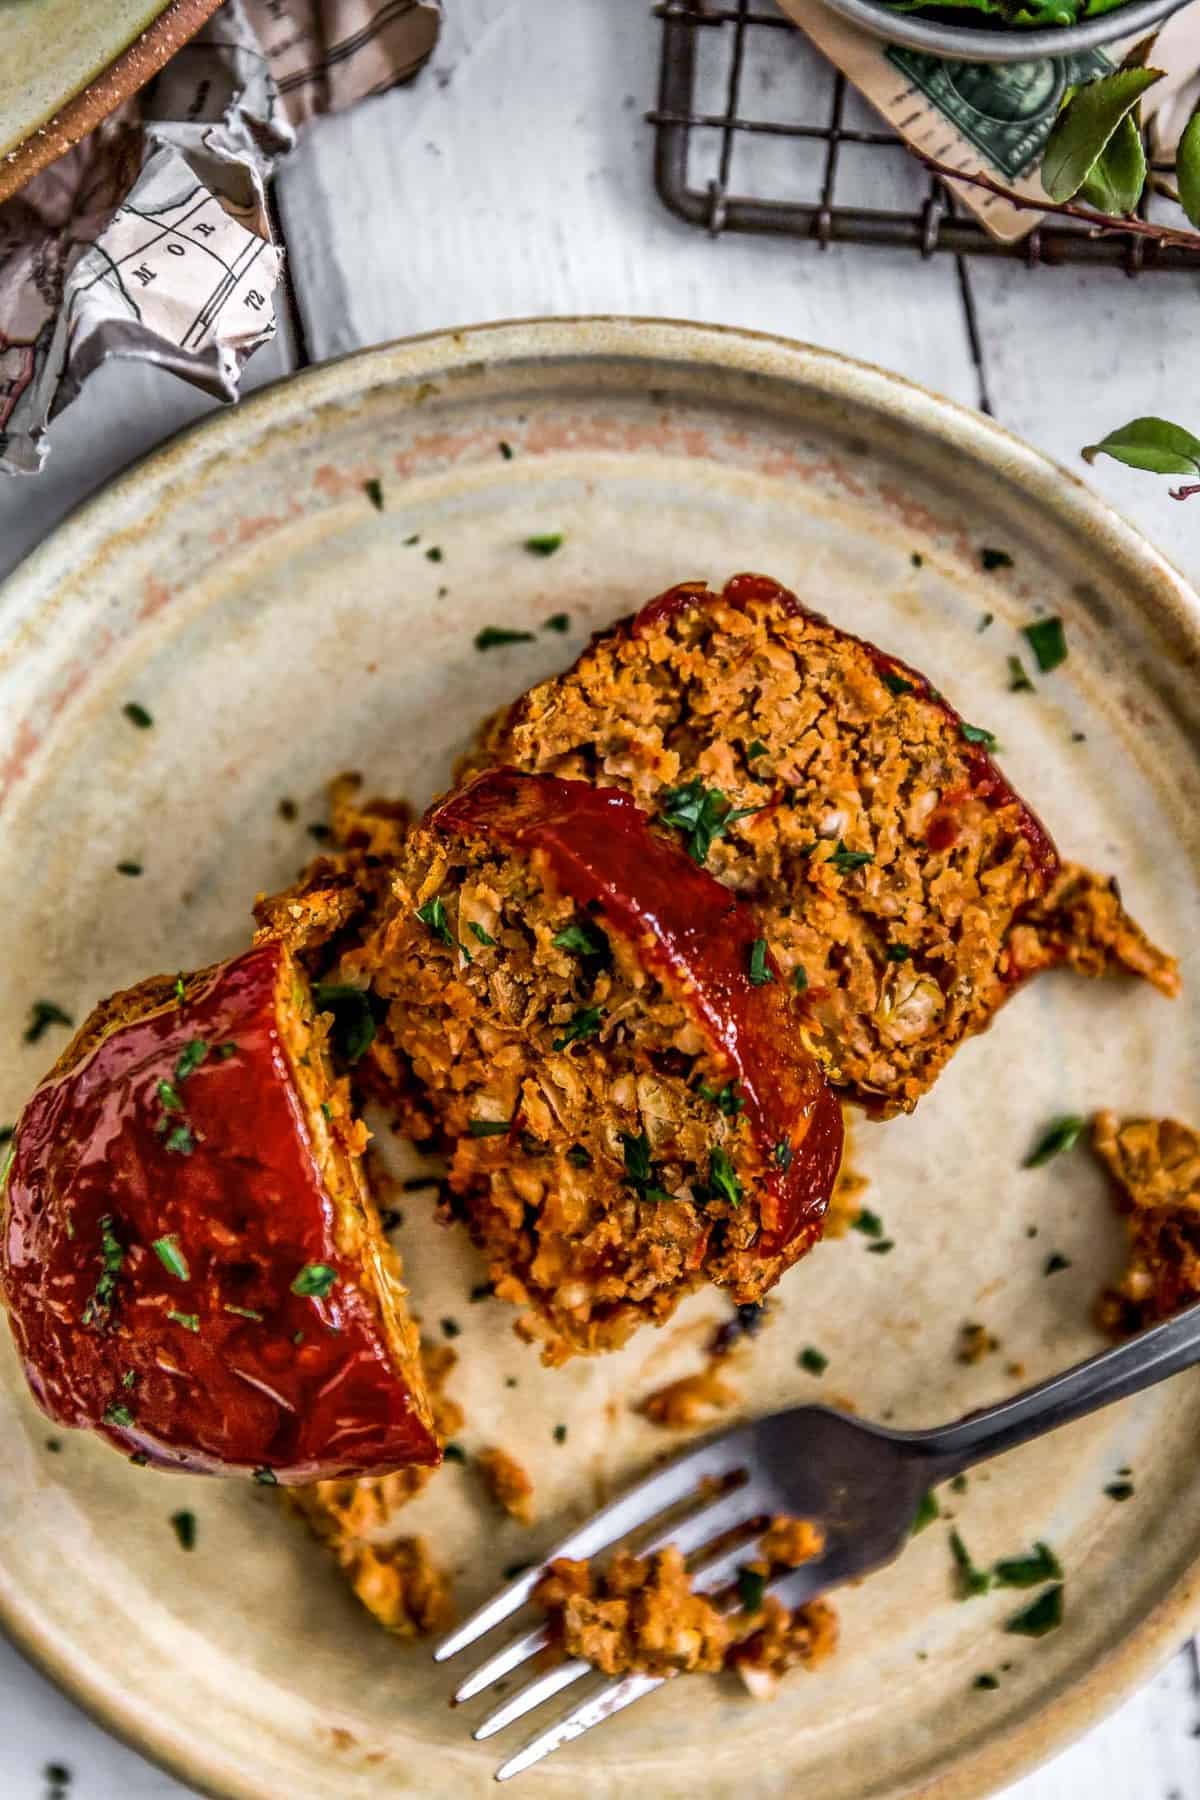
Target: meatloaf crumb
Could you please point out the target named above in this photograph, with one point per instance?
(1155, 1166)
(686, 1401)
(1080, 922)
(639, 1614)
(400, 1585)
(508, 1483)
(889, 858)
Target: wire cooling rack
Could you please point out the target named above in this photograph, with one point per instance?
(755, 131)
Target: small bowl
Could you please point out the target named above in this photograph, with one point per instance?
(966, 43)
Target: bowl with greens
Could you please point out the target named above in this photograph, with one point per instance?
(1022, 32)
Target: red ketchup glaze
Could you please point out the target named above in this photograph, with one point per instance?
(308, 1390)
(684, 925)
(986, 782)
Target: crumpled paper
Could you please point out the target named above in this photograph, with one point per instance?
(151, 239)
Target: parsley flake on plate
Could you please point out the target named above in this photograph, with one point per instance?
(995, 559)
(44, 1013)
(978, 734)
(1045, 1614)
(1062, 1135)
(183, 1524)
(1028, 1571)
(1048, 641)
(137, 715)
(971, 1581)
(812, 1360)
(373, 489)
(544, 543)
(927, 1511)
(492, 636)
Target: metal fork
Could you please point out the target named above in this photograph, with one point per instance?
(862, 1483)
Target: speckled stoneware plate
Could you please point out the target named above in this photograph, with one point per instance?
(66, 64)
(243, 588)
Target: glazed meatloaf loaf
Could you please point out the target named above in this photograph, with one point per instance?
(608, 1048)
(192, 1264)
(831, 785)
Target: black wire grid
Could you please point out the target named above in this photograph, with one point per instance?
(755, 131)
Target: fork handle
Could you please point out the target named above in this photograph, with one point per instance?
(1150, 1357)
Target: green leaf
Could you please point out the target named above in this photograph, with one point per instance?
(1086, 124)
(751, 1586)
(758, 970)
(584, 1024)
(813, 1361)
(1187, 168)
(545, 543)
(971, 1580)
(723, 1177)
(172, 1258)
(869, 1223)
(1062, 1135)
(493, 636)
(353, 1018)
(1152, 444)
(1043, 1616)
(480, 1128)
(927, 1512)
(314, 1281)
(1028, 1571)
(1115, 181)
(581, 940)
(1048, 641)
(978, 734)
(702, 814)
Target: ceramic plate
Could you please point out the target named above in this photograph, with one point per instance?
(66, 65)
(242, 587)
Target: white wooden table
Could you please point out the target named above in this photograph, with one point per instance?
(514, 180)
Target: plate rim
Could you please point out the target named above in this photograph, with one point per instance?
(42, 140)
(582, 339)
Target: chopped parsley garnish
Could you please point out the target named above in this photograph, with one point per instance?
(180, 989)
(434, 553)
(169, 1097)
(727, 1100)
(506, 450)
(225, 1051)
(189, 1321)
(180, 1140)
(926, 1513)
(1048, 641)
(995, 559)
(1062, 1135)
(172, 1258)
(41, 1014)
(1018, 680)
(723, 1177)
(326, 1110)
(844, 860)
(129, 868)
(971, 1581)
(782, 1154)
(557, 622)
(560, 1434)
(137, 715)
(112, 1253)
(959, 1485)
(585, 1024)
(916, 559)
(488, 1127)
(812, 1360)
(800, 978)
(987, 1683)
(545, 543)
(1044, 1615)
(415, 538)
(129, 1378)
(484, 937)
(985, 620)
(266, 1478)
(1119, 1490)
(978, 734)
(1028, 1571)
(896, 684)
(751, 1586)
(244, 1312)
(702, 815)
(373, 489)
(492, 636)
(6, 1163)
(579, 1157)
(869, 1223)
(454, 1453)
(1054, 1262)
(483, 1290)
(757, 748)
(116, 1414)
(354, 1022)
(581, 940)
(639, 1171)
(882, 1248)
(315, 1281)
(6, 1133)
(898, 953)
(433, 914)
(451, 1328)
(190, 1058)
(757, 968)
(184, 1526)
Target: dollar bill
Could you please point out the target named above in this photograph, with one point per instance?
(989, 118)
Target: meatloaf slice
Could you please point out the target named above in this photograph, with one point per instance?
(192, 1264)
(831, 785)
(611, 1052)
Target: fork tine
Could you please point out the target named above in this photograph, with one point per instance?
(720, 1456)
(717, 1516)
(552, 1682)
(611, 1699)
